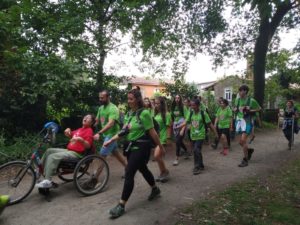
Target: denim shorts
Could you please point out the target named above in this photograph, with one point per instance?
(105, 151)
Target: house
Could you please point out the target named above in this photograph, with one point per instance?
(226, 87)
(202, 86)
(149, 86)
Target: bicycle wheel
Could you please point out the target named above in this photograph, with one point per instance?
(17, 179)
(94, 175)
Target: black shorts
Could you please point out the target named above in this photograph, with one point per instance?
(225, 131)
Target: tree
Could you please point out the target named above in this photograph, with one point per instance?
(256, 24)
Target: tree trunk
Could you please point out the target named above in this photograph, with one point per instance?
(260, 54)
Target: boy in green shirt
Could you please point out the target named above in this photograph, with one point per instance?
(245, 108)
(197, 122)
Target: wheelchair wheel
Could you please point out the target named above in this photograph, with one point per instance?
(91, 175)
(17, 179)
(66, 170)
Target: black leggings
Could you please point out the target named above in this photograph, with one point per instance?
(179, 144)
(137, 161)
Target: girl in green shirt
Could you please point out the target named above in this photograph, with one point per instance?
(223, 124)
(163, 118)
(178, 117)
(148, 105)
(138, 126)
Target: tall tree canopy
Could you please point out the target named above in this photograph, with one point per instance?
(253, 29)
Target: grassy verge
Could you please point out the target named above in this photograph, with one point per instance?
(259, 201)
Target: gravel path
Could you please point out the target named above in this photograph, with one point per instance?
(69, 208)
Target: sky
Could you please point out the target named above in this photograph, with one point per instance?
(127, 62)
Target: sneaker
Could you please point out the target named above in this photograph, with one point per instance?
(196, 171)
(155, 193)
(175, 163)
(4, 200)
(117, 211)
(250, 152)
(164, 177)
(244, 163)
(44, 184)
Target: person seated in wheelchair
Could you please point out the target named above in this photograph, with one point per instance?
(80, 140)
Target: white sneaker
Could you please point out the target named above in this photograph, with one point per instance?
(44, 184)
(175, 163)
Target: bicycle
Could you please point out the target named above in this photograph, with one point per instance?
(90, 173)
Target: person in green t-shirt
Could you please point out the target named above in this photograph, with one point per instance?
(223, 124)
(244, 108)
(163, 118)
(108, 118)
(148, 105)
(197, 123)
(138, 130)
(178, 116)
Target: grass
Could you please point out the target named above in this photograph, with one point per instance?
(258, 201)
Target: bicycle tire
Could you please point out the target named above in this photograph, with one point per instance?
(10, 185)
(91, 164)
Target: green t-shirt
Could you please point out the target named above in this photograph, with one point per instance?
(151, 111)
(186, 111)
(106, 112)
(242, 102)
(177, 114)
(163, 126)
(224, 117)
(138, 128)
(197, 126)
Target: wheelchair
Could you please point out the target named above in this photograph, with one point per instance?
(90, 173)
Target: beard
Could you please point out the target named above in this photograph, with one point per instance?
(103, 102)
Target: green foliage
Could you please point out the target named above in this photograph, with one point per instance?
(182, 88)
(272, 200)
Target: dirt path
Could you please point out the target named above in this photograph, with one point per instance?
(69, 208)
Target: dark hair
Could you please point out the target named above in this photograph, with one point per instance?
(150, 103)
(244, 87)
(196, 101)
(180, 105)
(225, 101)
(106, 92)
(138, 96)
(162, 109)
(137, 87)
(291, 101)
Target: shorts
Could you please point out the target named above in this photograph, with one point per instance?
(243, 126)
(224, 131)
(113, 147)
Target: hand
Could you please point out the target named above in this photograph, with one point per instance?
(97, 137)
(107, 143)
(67, 132)
(75, 139)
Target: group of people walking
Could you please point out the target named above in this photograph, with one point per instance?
(147, 126)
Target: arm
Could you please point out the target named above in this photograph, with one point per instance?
(155, 138)
(80, 139)
(213, 129)
(110, 124)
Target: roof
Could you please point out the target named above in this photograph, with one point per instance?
(148, 81)
(206, 85)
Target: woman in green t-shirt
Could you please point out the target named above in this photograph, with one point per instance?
(163, 118)
(223, 124)
(138, 130)
(148, 105)
(178, 117)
